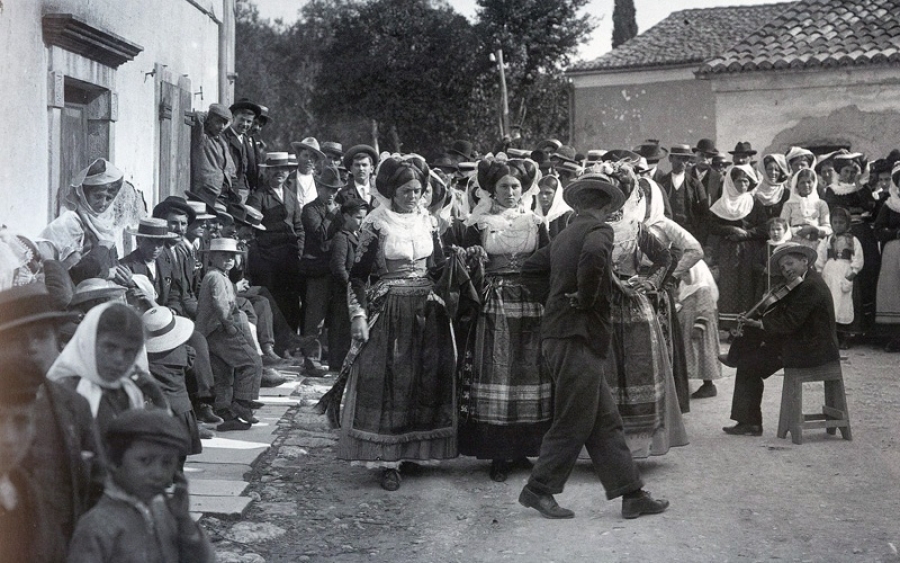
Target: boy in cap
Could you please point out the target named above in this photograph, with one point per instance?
(343, 255)
(236, 364)
(138, 519)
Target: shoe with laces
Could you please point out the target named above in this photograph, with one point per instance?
(642, 503)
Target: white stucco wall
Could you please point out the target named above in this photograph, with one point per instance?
(172, 32)
(774, 110)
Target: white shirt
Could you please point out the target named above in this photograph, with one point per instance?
(677, 180)
(306, 188)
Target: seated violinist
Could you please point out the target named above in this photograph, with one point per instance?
(796, 330)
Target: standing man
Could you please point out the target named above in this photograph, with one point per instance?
(360, 161)
(681, 194)
(653, 152)
(309, 159)
(212, 168)
(237, 136)
(576, 330)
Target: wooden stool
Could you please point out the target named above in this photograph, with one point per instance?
(834, 412)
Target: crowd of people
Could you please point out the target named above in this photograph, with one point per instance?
(524, 303)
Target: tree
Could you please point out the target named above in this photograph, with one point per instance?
(624, 22)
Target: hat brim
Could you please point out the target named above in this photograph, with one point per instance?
(298, 146)
(100, 293)
(179, 334)
(657, 155)
(748, 153)
(167, 236)
(591, 182)
(246, 105)
(164, 207)
(209, 201)
(808, 252)
(51, 316)
(712, 151)
(351, 153)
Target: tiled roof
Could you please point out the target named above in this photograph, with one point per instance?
(816, 34)
(685, 37)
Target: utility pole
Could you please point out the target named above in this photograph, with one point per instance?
(504, 103)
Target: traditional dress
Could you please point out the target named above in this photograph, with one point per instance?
(802, 211)
(558, 215)
(506, 392)
(840, 255)
(401, 393)
(772, 195)
(698, 316)
(887, 231)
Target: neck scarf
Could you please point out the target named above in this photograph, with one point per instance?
(734, 205)
(768, 193)
(558, 207)
(809, 205)
(79, 358)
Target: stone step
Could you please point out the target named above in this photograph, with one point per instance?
(216, 487)
(220, 506)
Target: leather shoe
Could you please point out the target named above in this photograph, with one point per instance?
(744, 429)
(243, 412)
(499, 470)
(204, 413)
(642, 504)
(708, 389)
(271, 378)
(545, 504)
(310, 369)
(724, 359)
(233, 424)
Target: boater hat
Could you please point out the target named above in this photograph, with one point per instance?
(200, 211)
(165, 331)
(310, 144)
(743, 147)
(277, 160)
(224, 244)
(95, 288)
(792, 248)
(27, 304)
(595, 182)
(152, 228)
(355, 150)
(681, 150)
(247, 215)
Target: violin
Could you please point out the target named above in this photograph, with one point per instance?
(771, 297)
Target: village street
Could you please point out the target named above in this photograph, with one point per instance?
(734, 499)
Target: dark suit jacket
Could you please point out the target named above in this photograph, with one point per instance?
(803, 322)
(578, 260)
(284, 236)
(165, 273)
(683, 202)
(240, 157)
(349, 192)
(319, 227)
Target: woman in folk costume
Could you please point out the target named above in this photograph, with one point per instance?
(86, 237)
(849, 191)
(506, 392)
(772, 190)
(551, 207)
(686, 252)
(401, 391)
(106, 363)
(887, 230)
(639, 371)
(806, 214)
(737, 221)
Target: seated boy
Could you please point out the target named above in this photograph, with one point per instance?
(137, 520)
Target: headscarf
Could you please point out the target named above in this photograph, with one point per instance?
(79, 358)
(893, 200)
(734, 205)
(490, 171)
(656, 208)
(698, 277)
(768, 193)
(558, 206)
(800, 152)
(809, 204)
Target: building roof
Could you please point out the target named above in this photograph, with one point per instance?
(817, 34)
(686, 37)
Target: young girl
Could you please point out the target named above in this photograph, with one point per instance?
(840, 260)
(806, 214)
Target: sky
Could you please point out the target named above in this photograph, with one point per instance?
(649, 13)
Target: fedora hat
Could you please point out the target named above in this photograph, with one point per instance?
(594, 182)
(783, 250)
(743, 147)
(310, 144)
(565, 153)
(95, 288)
(245, 103)
(200, 211)
(681, 150)
(247, 215)
(464, 149)
(220, 110)
(177, 204)
(152, 227)
(651, 150)
(165, 330)
(355, 150)
(224, 244)
(706, 146)
(27, 304)
(333, 149)
(330, 177)
(263, 116)
(277, 160)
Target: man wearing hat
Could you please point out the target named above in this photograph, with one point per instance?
(212, 167)
(150, 257)
(653, 152)
(360, 161)
(576, 329)
(334, 152)
(798, 331)
(462, 151)
(274, 262)
(309, 158)
(743, 152)
(64, 459)
(706, 184)
(243, 153)
(257, 145)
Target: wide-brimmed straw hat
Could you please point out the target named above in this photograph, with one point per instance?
(277, 160)
(27, 304)
(310, 144)
(355, 150)
(594, 182)
(224, 244)
(95, 288)
(152, 227)
(792, 248)
(165, 330)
